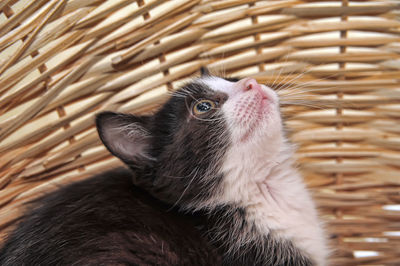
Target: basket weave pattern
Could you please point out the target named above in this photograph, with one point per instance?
(335, 63)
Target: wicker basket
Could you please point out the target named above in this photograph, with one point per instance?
(336, 64)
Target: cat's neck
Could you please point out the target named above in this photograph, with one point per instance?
(267, 213)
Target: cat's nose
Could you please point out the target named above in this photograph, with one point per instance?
(251, 84)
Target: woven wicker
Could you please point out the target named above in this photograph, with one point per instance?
(335, 63)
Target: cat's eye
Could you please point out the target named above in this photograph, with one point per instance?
(203, 106)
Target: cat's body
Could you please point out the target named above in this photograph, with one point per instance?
(106, 220)
(217, 152)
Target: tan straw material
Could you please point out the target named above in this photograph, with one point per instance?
(336, 65)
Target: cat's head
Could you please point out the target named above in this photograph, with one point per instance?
(210, 124)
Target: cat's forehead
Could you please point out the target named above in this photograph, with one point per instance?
(209, 85)
(216, 84)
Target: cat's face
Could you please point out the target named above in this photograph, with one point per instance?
(251, 110)
(182, 149)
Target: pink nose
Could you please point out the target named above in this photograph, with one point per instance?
(251, 84)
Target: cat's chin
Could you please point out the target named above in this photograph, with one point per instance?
(263, 130)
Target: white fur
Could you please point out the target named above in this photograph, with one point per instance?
(260, 176)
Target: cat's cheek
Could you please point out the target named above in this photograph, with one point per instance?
(261, 131)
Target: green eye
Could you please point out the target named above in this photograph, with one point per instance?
(203, 106)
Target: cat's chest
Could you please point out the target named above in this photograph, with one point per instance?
(279, 205)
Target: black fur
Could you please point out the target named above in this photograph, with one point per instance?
(204, 71)
(105, 220)
(176, 168)
(186, 167)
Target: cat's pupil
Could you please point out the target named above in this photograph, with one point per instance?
(203, 107)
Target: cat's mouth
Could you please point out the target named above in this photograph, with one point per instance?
(254, 111)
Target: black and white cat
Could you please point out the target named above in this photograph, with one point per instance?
(213, 182)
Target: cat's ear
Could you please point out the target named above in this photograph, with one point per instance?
(204, 71)
(125, 136)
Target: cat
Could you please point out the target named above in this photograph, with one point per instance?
(212, 181)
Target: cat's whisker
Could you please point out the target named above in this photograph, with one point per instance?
(289, 83)
(291, 80)
(187, 187)
(280, 71)
(301, 103)
(284, 87)
(300, 90)
(174, 177)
